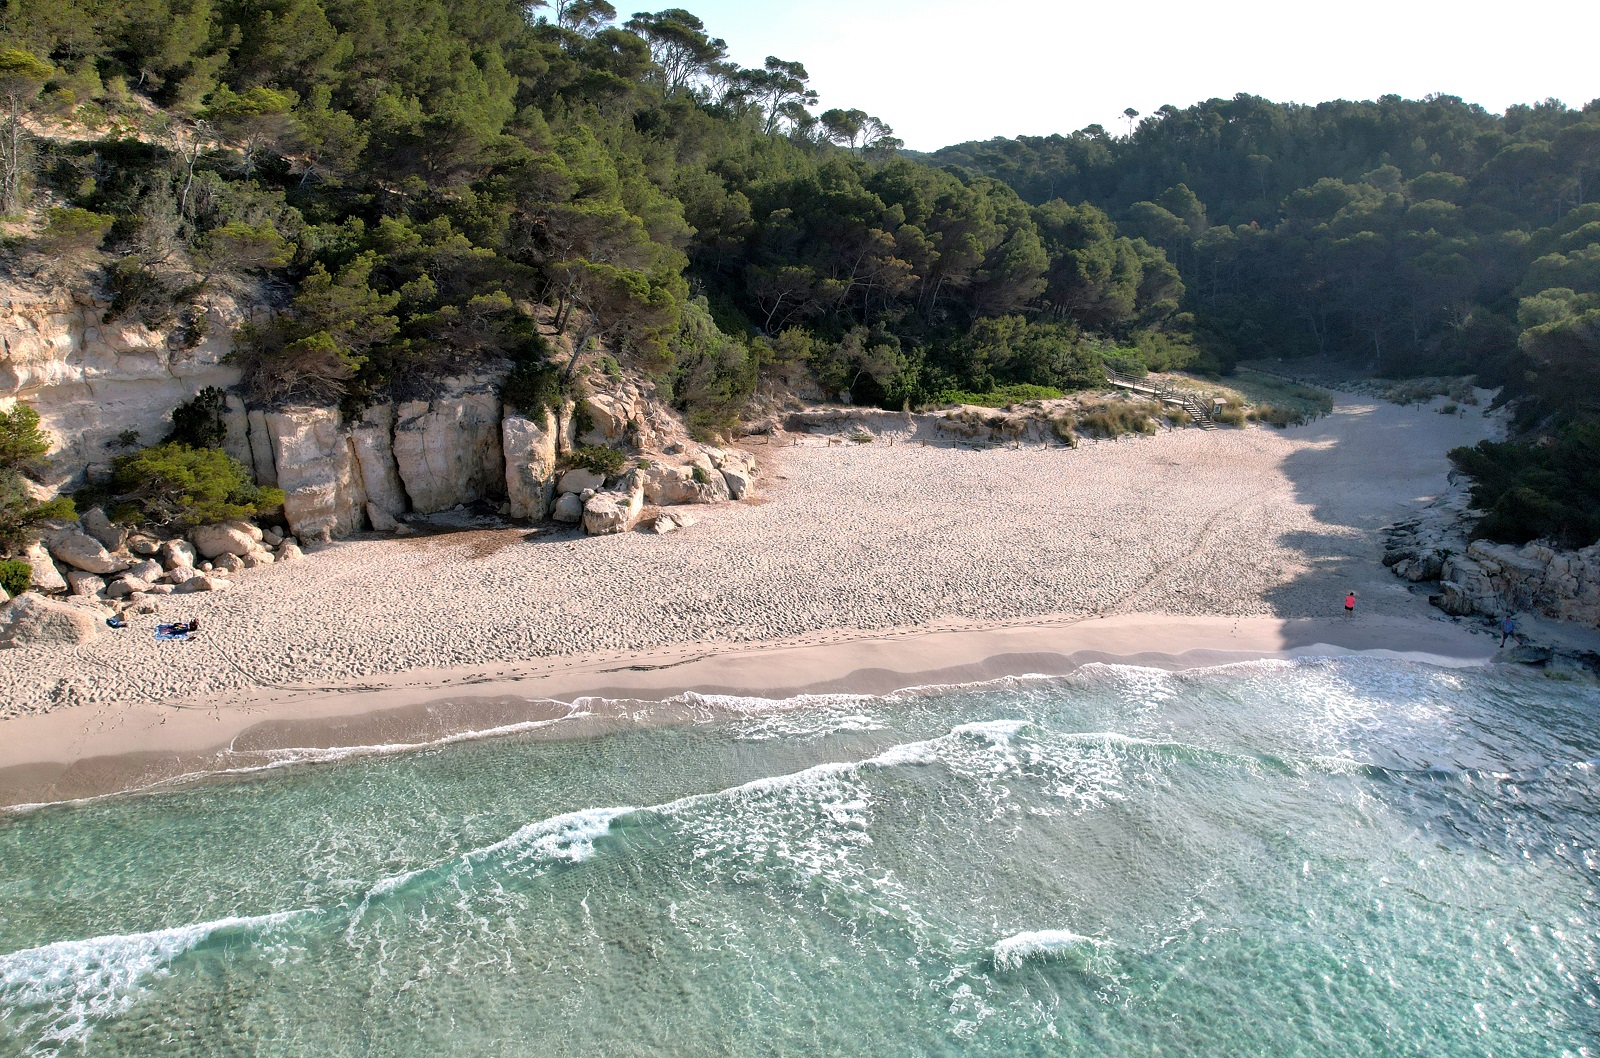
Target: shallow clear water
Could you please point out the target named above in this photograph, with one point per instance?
(1350, 857)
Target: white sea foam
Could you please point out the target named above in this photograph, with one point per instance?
(1013, 951)
(59, 991)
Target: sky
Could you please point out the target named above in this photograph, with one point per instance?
(942, 72)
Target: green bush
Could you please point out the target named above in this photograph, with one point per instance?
(181, 486)
(1449, 409)
(533, 389)
(137, 291)
(16, 577)
(1537, 491)
(607, 462)
(700, 475)
(198, 423)
(21, 445)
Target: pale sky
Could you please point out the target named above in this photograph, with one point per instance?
(943, 72)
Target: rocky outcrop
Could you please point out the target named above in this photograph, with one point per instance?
(32, 620)
(1480, 578)
(1493, 579)
(449, 450)
(530, 449)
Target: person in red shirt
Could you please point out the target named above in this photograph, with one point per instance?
(1350, 604)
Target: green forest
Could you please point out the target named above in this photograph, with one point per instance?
(421, 187)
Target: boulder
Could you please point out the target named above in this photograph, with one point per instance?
(33, 620)
(258, 558)
(46, 577)
(228, 538)
(85, 584)
(81, 551)
(577, 480)
(271, 537)
(606, 513)
(668, 485)
(149, 570)
(178, 554)
(144, 546)
(448, 450)
(381, 520)
(202, 582)
(289, 552)
(228, 563)
(180, 574)
(569, 509)
(97, 525)
(664, 525)
(738, 481)
(125, 586)
(160, 589)
(530, 454)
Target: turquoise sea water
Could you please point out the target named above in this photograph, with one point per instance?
(1350, 857)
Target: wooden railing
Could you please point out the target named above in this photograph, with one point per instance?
(1199, 412)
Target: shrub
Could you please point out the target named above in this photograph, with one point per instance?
(20, 514)
(533, 389)
(137, 291)
(125, 439)
(862, 438)
(607, 462)
(700, 475)
(1231, 414)
(1449, 409)
(21, 440)
(16, 577)
(198, 423)
(1114, 420)
(1537, 491)
(177, 485)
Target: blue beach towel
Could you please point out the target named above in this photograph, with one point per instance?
(172, 633)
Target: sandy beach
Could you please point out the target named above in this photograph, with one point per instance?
(866, 568)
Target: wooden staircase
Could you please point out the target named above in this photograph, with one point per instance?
(1198, 411)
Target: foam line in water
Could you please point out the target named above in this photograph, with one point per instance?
(60, 990)
(1017, 949)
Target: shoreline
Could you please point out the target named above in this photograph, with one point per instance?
(97, 750)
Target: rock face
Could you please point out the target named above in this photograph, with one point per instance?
(381, 520)
(1495, 578)
(316, 467)
(87, 585)
(372, 441)
(448, 450)
(90, 380)
(79, 550)
(32, 620)
(530, 449)
(229, 538)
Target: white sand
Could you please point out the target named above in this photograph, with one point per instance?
(1233, 522)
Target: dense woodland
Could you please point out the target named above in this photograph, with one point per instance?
(420, 187)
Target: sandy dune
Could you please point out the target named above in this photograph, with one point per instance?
(852, 537)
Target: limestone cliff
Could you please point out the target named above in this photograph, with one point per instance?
(90, 380)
